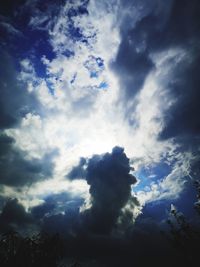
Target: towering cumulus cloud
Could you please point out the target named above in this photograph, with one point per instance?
(110, 188)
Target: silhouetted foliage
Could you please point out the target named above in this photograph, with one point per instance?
(40, 250)
(183, 236)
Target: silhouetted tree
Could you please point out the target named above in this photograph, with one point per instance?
(183, 236)
(40, 250)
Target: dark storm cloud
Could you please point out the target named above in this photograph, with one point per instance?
(67, 223)
(183, 117)
(196, 169)
(15, 101)
(60, 214)
(110, 188)
(57, 204)
(13, 215)
(132, 65)
(43, 209)
(162, 26)
(78, 172)
(18, 171)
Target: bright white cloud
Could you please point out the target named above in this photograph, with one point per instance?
(171, 186)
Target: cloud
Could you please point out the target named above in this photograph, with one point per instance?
(171, 186)
(132, 65)
(16, 170)
(14, 216)
(43, 209)
(159, 29)
(182, 118)
(110, 189)
(15, 99)
(78, 172)
(54, 204)
(60, 214)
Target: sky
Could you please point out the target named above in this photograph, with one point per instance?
(99, 115)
